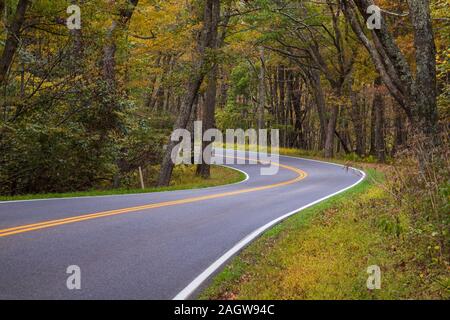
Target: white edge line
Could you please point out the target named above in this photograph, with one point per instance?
(197, 282)
(247, 177)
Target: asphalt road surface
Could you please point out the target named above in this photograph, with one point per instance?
(151, 246)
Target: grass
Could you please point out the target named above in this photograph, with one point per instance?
(324, 252)
(184, 177)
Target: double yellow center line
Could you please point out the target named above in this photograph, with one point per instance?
(84, 217)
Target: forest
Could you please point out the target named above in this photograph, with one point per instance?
(84, 108)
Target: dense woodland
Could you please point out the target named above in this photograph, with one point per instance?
(83, 109)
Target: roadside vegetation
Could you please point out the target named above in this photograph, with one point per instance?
(184, 177)
(398, 219)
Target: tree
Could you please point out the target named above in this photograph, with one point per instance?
(201, 65)
(12, 40)
(209, 107)
(378, 105)
(417, 96)
(261, 91)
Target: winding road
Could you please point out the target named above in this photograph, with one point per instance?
(152, 246)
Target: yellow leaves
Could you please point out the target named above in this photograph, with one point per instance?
(165, 22)
(334, 100)
(242, 40)
(159, 28)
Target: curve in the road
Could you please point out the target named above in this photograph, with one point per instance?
(163, 253)
(213, 268)
(58, 222)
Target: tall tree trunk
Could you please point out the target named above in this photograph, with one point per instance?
(274, 94)
(342, 143)
(358, 124)
(373, 120)
(209, 109)
(154, 84)
(12, 40)
(320, 104)
(223, 93)
(331, 129)
(181, 123)
(425, 51)
(296, 97)
(208, 119)
(109, 60)
(109, 71)
(400, 131)
(109, 50)
(378, 103)
(416, 96)
(282, 101)
(261, 90)
(206, 41)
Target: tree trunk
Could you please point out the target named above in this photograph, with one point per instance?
(282, 101)
(208, 119)
(109, 50)
(331, 129)
(320, 104)
(296, 99)
(425, 84)
(154, 84)
(109, 59)
(12, 40)
(358, 124)
(373, 120)
(109, 71)
(261, 90)
(378, 103)
(209, 109)
(400, 131)
(206, 41)
(274, 91)
(342, 142)
(416, 96)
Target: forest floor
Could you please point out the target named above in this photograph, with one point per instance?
(324, 253)
(184, 177)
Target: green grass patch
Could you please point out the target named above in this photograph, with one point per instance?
(184, 177)
(324, 252)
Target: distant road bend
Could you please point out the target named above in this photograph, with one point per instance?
(152, 246)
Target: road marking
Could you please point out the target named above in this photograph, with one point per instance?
(53, 223)
(192, 287)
